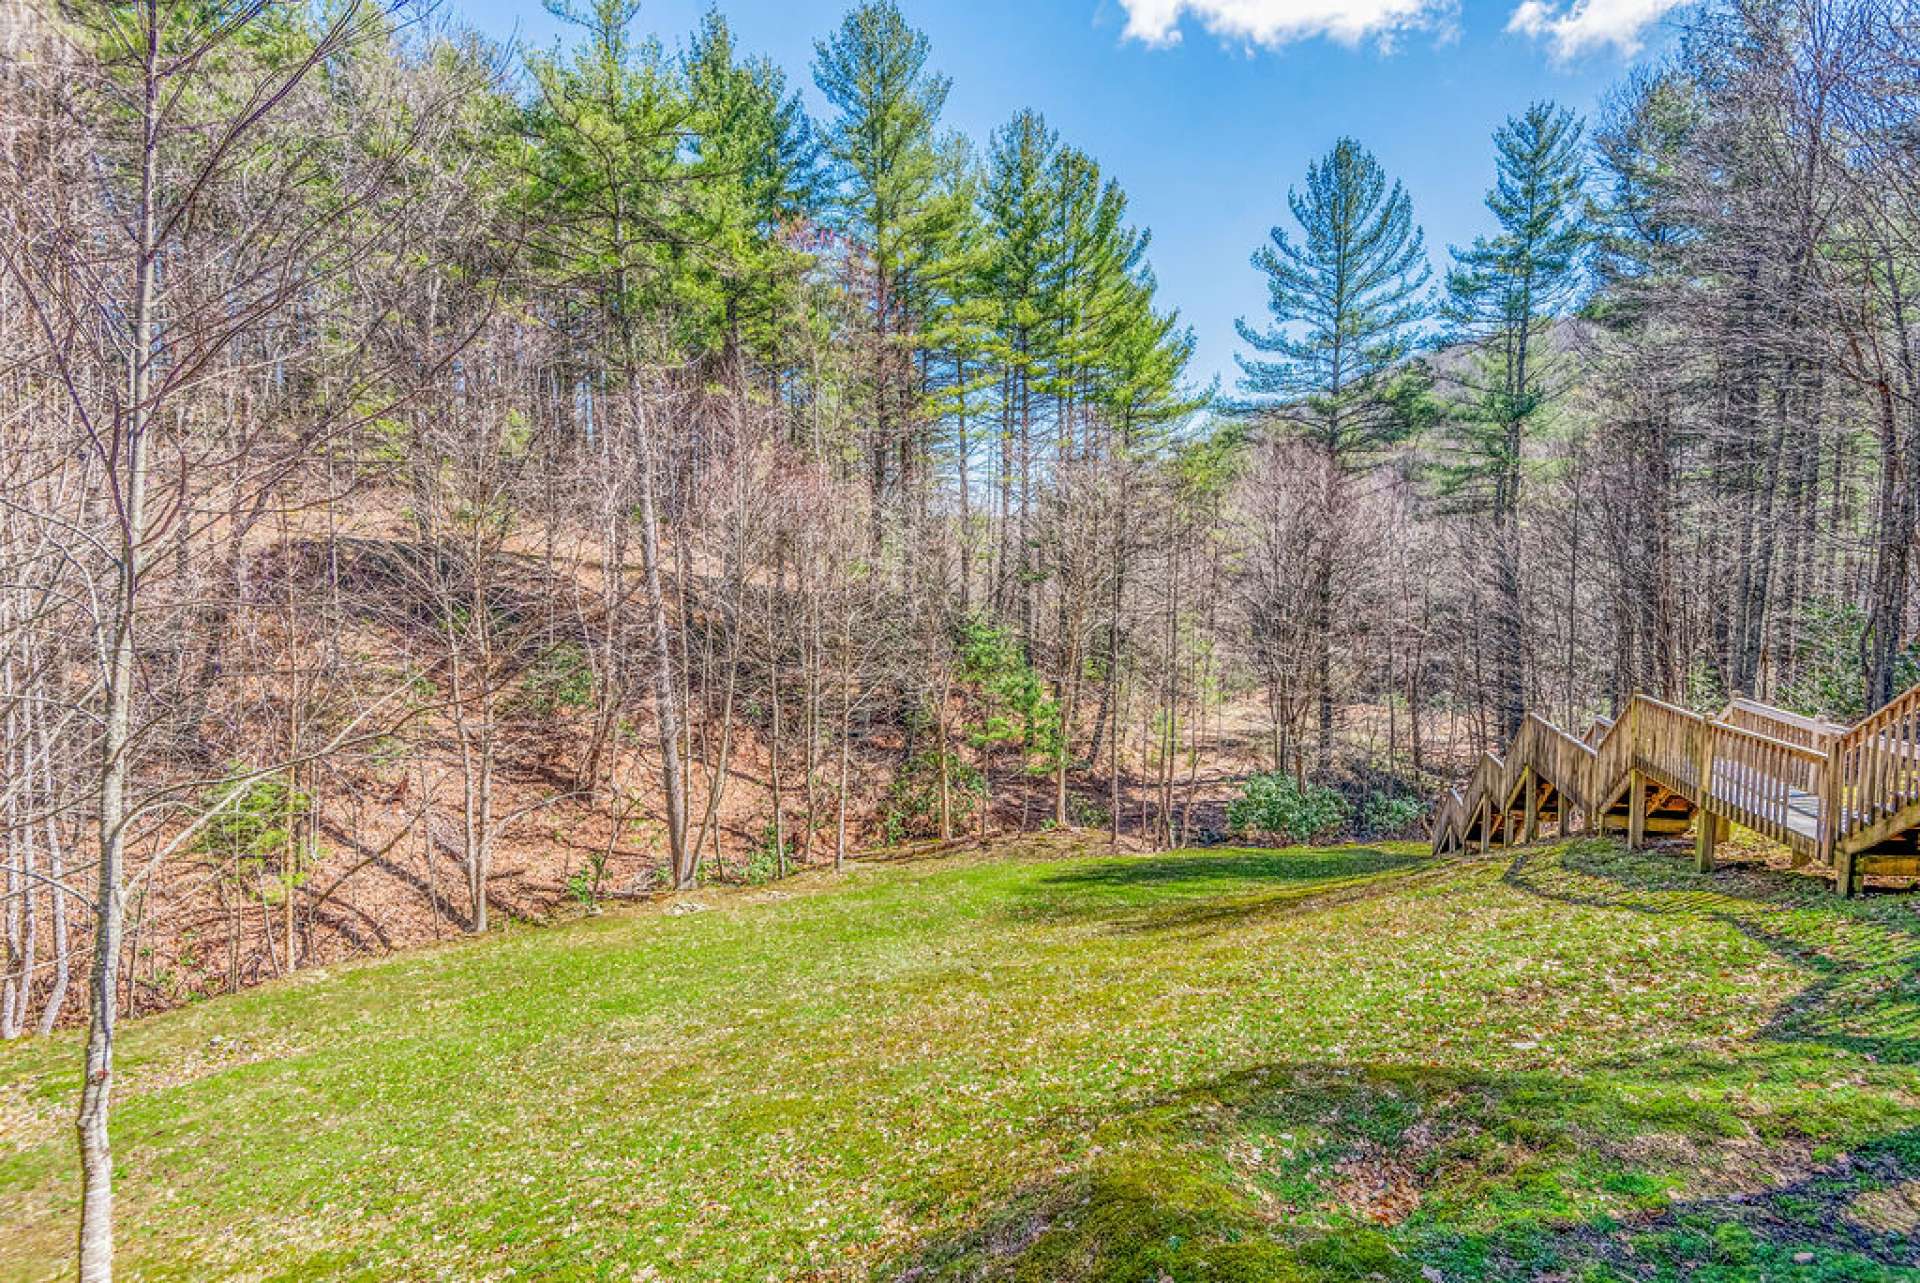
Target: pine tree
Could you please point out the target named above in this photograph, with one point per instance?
(887, 169)
(960, 337)
(1089, 283)
(604, 166)
(1017, 203)
(607, 180)
(1353, 288)
(755, 166)
(1346, 303)
(1501, 294)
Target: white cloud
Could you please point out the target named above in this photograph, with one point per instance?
(1582, 25)
(1278, 22)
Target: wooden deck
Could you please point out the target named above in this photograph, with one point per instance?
(1843, 799)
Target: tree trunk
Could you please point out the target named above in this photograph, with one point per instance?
(116, 741)
(665, 700)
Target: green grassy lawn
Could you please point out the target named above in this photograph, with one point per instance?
(1566, 1063)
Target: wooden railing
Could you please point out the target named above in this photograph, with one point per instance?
(1612, 756)
(1756, 779)
(1808, 732)
(1823, 789)
(1447, 816)
(1877, 768)
(1563, 761)
(1485, 783)
(1667, 742)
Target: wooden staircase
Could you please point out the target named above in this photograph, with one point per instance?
(1845, 800)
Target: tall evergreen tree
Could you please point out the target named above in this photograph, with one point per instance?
(1089, 283)
(961, 372)
(1018, 201)
(887, 169)
(1501, 294)
(606, 177)
(1346, 302)
(756, 171)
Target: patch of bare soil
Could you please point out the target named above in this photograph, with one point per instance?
(1893, 1209)
(1375, 1186)
(1726, 1167)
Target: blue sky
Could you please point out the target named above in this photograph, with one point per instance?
(1207, 110)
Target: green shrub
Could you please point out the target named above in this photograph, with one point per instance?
(1014, 709)
(255, 825)
(1085, 813)
(912, 806)
(583, 884)
(254, 816)
(561, 678)
(1390, 814)
(766, 858)
(1278, 805)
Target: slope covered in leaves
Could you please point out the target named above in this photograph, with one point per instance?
(1231, 1064)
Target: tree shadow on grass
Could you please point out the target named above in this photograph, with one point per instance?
(1863, 955)
(1335, 1172)
(1795, 1158)
(1212, 891)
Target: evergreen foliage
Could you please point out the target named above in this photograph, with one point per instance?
(1504, 290)
(1346, 299)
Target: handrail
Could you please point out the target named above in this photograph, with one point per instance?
(1667, 740)
(1567, 763)
(1800, 751)
(1640, 697)
(1554, 726)
(1751, 714)
(1784, 716)
(1756, 779)
(1876, 767)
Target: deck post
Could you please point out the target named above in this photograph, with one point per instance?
(1486, 825)
(1531, 833)
(1636, 811)
(1706, 824)
(1843, 872)
(1830, 803)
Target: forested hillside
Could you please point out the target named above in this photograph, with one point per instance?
(441, 481)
